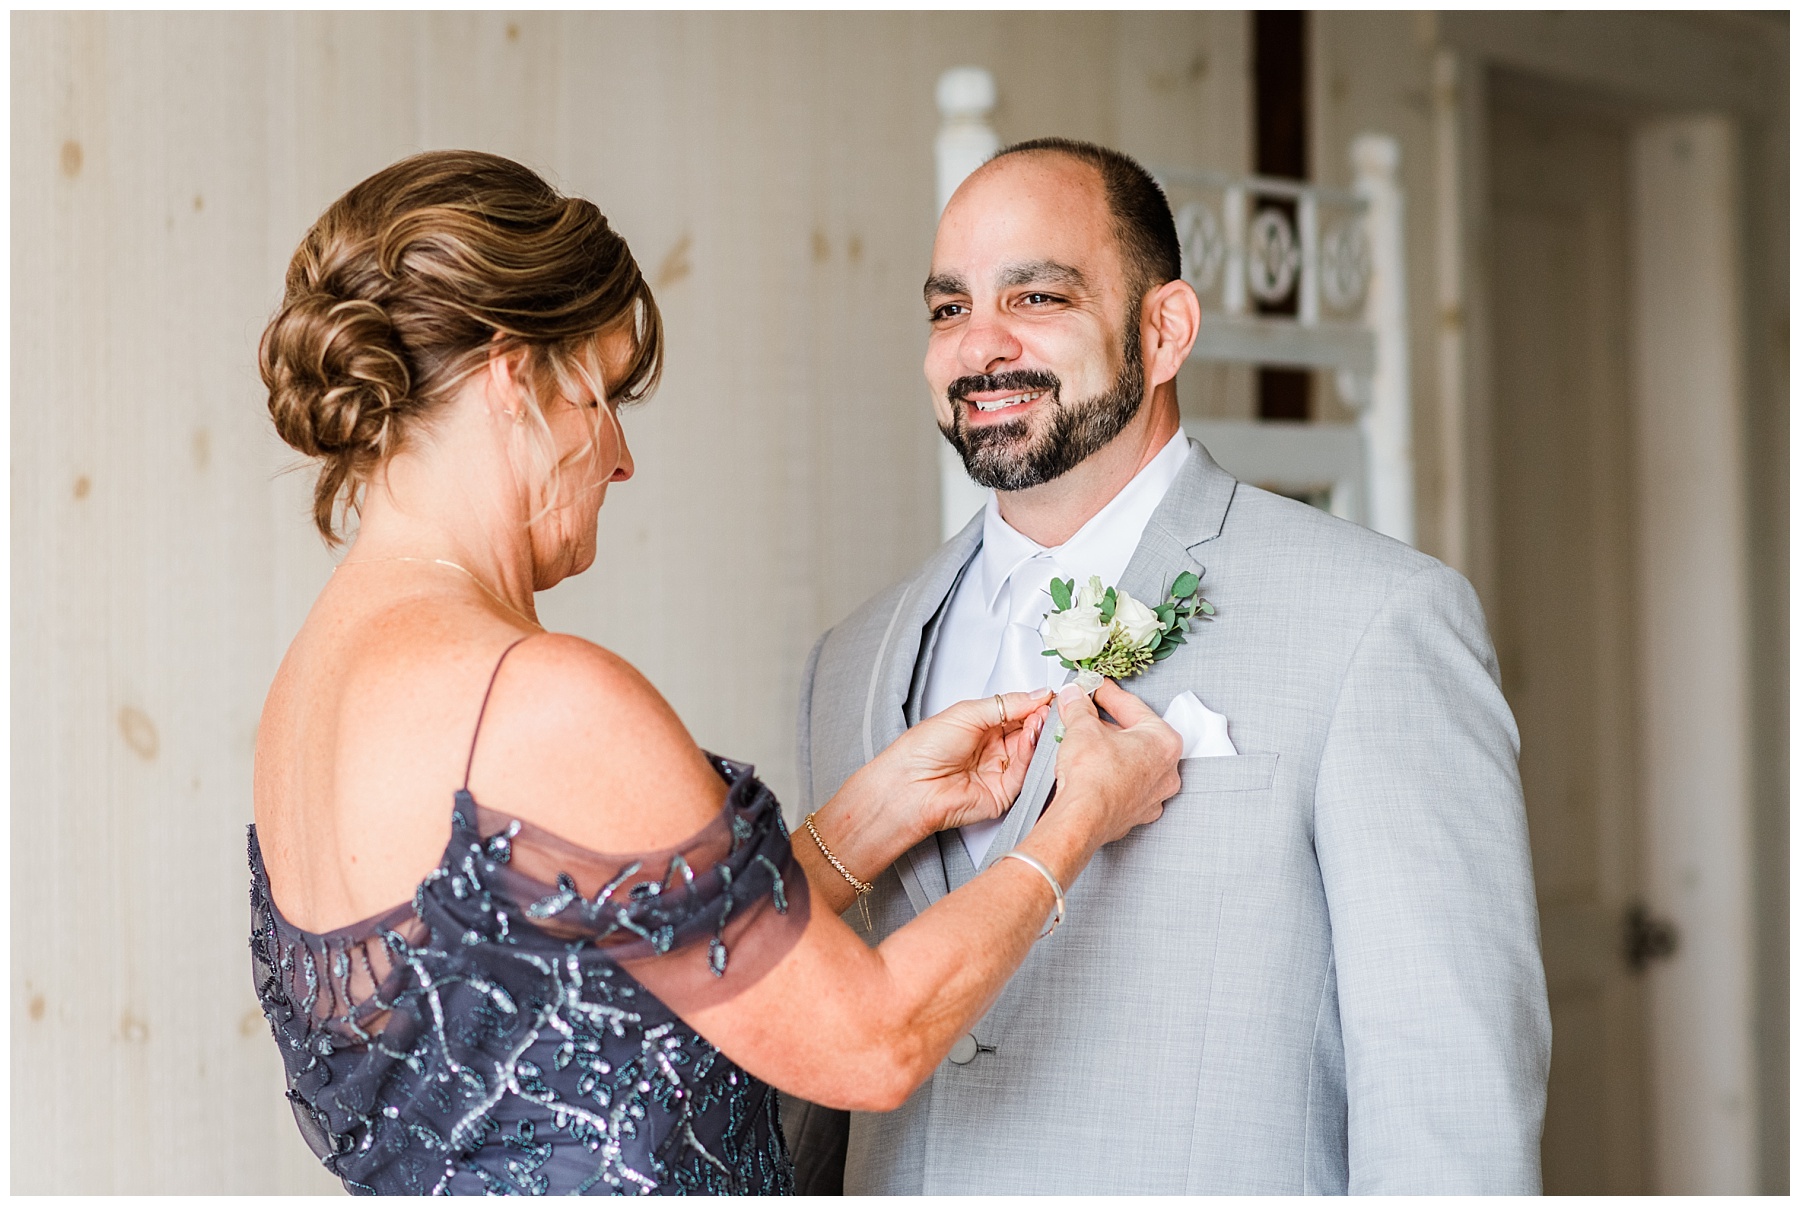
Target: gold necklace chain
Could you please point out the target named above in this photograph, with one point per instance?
(485, 588)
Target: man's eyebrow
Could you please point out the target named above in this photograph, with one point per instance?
(1042, 272)
(942, 284)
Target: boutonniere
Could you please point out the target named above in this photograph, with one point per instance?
(1102, 632)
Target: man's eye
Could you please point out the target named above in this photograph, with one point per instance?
(1038, 299)
(947, 310)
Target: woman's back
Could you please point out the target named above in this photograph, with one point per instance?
(366, 730)
(360, 744)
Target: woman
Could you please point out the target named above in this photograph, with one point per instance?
(495, 1004)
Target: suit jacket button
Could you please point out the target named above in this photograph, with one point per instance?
(964, 1050)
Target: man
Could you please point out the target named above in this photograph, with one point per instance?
(1319, 971)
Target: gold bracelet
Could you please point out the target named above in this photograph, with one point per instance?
(861, 889)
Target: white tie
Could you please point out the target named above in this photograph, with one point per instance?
(1020, 664)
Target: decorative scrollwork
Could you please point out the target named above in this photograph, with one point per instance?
(1202, 245)
(1274, 256)
(1344, 264)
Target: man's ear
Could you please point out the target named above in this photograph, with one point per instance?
(1171, 323)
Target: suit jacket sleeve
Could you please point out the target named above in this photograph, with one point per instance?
(1420, 830)
(816, 1136)
(803, 728)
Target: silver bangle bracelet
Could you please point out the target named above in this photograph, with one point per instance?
(1056, 917)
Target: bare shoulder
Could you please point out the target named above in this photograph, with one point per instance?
(576, 740)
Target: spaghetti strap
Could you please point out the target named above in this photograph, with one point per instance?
(481, 715)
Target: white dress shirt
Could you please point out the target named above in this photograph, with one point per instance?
(988, 642)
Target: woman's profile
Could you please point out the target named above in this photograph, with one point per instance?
(512, 929)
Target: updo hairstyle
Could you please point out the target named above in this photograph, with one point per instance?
(412, 279)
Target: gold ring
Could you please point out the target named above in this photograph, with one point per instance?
(1001, 704)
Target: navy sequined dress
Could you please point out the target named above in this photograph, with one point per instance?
(510, 1030)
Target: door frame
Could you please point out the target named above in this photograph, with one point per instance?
(1705, 1099)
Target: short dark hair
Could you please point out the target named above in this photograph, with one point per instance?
(1141, 219)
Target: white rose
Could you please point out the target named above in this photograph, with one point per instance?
(1091, 593)
(1075, 633)
(1137, 622)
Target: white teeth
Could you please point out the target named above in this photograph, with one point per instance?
(1003, 403)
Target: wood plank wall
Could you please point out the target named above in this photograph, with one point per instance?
(773, 173)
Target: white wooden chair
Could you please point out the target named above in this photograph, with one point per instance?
(1345, 265)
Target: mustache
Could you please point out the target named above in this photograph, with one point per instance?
(983, 383)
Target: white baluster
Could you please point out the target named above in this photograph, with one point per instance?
(1236, 261)
(1387, 423)
(966, 139)
(1309, 258)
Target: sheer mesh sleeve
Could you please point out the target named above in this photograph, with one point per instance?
(695, 924)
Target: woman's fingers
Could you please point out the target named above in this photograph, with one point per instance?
(1019, 747)
(1075, 708)
(1123, 706)
(1012, 708)
(1021, 741)
(1019, 705)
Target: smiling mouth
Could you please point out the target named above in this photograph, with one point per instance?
(1008, 403)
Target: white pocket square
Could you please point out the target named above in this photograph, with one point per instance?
(1202, 730)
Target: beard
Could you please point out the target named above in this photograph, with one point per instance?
(1010, 456)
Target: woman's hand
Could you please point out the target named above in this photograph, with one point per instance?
(1110, 777)
(967, 763)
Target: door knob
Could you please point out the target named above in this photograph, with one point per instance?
(1647, 937)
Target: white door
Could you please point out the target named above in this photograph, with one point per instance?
(1564, 606)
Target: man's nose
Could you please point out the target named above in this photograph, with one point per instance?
(987, 345)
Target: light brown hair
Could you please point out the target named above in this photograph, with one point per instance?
(412, 279)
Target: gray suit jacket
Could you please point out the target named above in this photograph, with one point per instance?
(1317, 973)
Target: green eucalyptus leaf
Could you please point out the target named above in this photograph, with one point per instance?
(1051, 653)
(1164, 653)
(1175, 638)
(1206, 608)
(1185, 584)
(1061, 593)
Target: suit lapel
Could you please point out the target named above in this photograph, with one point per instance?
(1040, 777)
(891, 675)
(1190, 514)
(891, 679)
